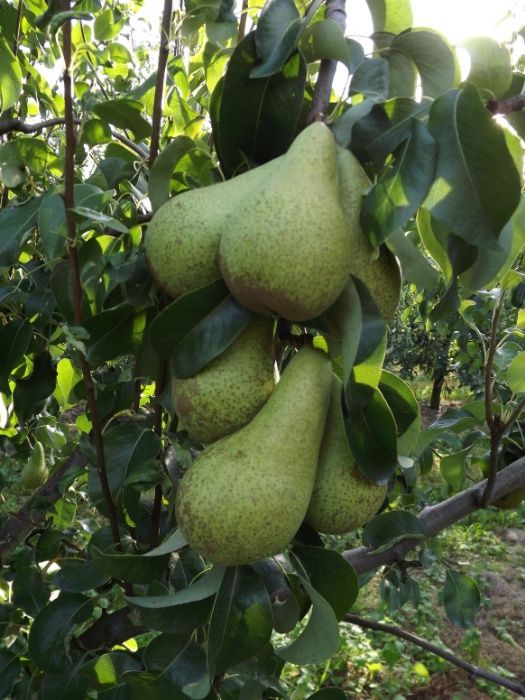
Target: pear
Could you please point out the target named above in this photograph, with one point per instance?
(285, 249)
(229, 391)
(381, 276)
(246, 495)
(342, 499)
(35, 473)
(182, 239)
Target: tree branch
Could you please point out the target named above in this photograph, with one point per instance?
(32, 512)
(160, 383)
(159, 83)
(69, 203)
(436, 518)
(335, 9)
(473, 671)
(9, 125)
(242, 21)
(512, 104)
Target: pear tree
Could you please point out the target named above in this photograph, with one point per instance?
(209, 447)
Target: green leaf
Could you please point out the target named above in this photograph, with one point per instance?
(125, 114)
(257, 118)
(371, 79)
(453, 468)
(319, 640)
(9, 671)
(390, 16)
(106, 28)
(433, 56)
(163, 167)
(415, 266)
(470, 148)
(112, 333)
(10, 76)
(399, 192)
(241, 619)
(61, 18)
(12, 170)
(325, 39)
(182, 663)
(16, 224)
(388, 528)
(490, 65)
(172, 543)
(516, 374)
(205, 587)
(51, 629)
(276, 34)
(94, 132)
(105, 671)
(198, 327)
(328, 694)
(97, 217)
(52, 225)
(14, 341)
(31, 391)
(134, 568)
(405, 408)
(331, 576)
(78, 575)
(461, 598)
(29, 591)
(343, 126)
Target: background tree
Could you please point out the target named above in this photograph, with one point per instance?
(100, 595)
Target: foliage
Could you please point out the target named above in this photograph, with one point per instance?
(100, 596)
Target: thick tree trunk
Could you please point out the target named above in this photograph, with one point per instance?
(437, 387)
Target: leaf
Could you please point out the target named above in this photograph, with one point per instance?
(31, 391)
(106, 28)
(328, 694)
(134, 568)
(470, 148)
(198, 327)
(14, 341)
(401, 189)
(47, 643)
(97, 217)
(105, 671)
(276, 34)
(125, 114)
(433, 56)
(113, 332)
(415, 266)
(29, 591)
(390, 16)
(172, 543)
(343, 126)
(490, 65)
(325, 39)
(371, 79)
(388, 528)
(16, 224)
(461, 598)
(453, 468)
(241, 619)
(61, 18)
(10, 76)
(9, 671)
(319, 640)
(405, 408)
(257, 118)
(331, 576)
(163, 167)
(343, 324)
(516, 374)
(78, 575)
(205, 587)
(52, 225)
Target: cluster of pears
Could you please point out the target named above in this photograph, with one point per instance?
(285, 237)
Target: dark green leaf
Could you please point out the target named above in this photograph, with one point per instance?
(328, 694)
(31, 391)
(112, 333)
(163, 168)
(126, 114)
(205, 587)
(198, 327)
(16, 224)
(172, 543)
(52, 225)
(343, 322)
(14, 341)
(277, 31)
(9, 670)
(388, 528)
(371, 79)
(470, 148)
(257, 117)
(134, 568)
(342, 128)
(331, 576)
(78, 575)
(241, 619)
(182, 662)
(404, 406)
(105, 671)
(49, 634)
(10, 76)
(401, 189)
(61, 18)
(29, 591)
(461, 598)
(325, 39)
(415, 266)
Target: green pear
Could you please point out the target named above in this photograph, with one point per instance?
(342, 499)
(229, 391)
(246, 495)
(381, 276)
(285, 249)
(182, 239)
(35, 473)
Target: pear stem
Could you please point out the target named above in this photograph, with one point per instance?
(335, 9)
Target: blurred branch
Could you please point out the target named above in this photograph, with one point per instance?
(335, 10)
(242, 21)
(159, 82)
(512, 104)
(473, 671)
(436, 518)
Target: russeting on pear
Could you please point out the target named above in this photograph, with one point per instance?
(246, 495)
(342, 499)
(381, 276)
(285, 248)
(229, 391)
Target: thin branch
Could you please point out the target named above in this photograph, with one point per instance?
(335, 10)
(512, 104)
(473, 671)
(440, 516)
(69, 203)
(35, 510)
(242, 21)
(159, 83)
(9, 125)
